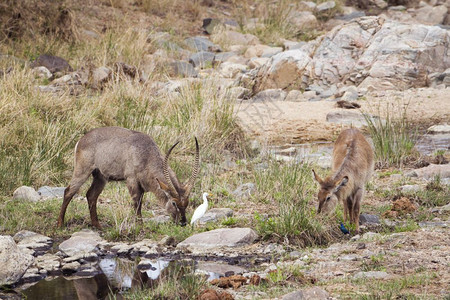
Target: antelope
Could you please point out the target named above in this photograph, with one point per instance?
(119, 154)
(352, 167)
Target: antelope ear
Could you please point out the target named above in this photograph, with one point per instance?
(341, 183)
(317, 178)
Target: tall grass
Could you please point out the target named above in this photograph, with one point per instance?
(290, 189)
(393, 137)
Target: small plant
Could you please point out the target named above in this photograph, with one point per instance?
(393, 138)
(230, 221)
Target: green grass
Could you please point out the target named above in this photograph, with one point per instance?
(291, 194)
(393, 137)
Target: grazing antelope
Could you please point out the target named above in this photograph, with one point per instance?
(352, 167)
(119, 154)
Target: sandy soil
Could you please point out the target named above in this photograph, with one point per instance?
(296, 122)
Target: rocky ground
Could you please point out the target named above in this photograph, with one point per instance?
(395, 59)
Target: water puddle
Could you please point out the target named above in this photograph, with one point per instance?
(113, 276)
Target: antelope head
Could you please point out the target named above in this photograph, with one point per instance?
(178, 194)
(327, 196)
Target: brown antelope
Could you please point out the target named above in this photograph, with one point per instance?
(352, 167)
(119, 154)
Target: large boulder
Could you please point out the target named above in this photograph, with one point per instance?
(223, 237)
(81, 242)
(13, 261)
(368, 51)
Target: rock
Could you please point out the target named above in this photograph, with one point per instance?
(100, 76)
(261, 51)
(160, 219)
(431, 15)
(26, 193)
(231, 70)
(315, 293)
(33, 241)
(351, 94)
(80, 242)
(202, 59)
(270, 95)
(371, 236)
(31, 275)
(13, 261)
(222, 57)
(431, 171)
(433, 224)
(182, 69)
(216, 214)
(441, 128)
(441, 209)
(257, 62)
(47, 192)
(325, 6)
(307, 5)
(48, 262)
(303, 20)
(369, 219)
(42, 72)
(223, 237)
(199, 43)
(210, 25)
(364, 52)
(372, 275)
(410, 188)
(234, 281)
(296, 96)
(353, 118)
(236, 38)
(211, 294)
(71, 267)
(220, 269)
(244, 190)
(52, 63)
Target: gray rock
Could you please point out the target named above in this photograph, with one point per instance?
(199, 43)
(51, 192)
(303, 20)
(13, 261)
(219, 269)
(431, 172)
(232, 70)
(433, 224)
(369, 59)
(244, 190)
(31, 275)
(223, 237)
(210, 25)
(236, 38)
(33, 241)
(222, 57)
(80, 242)
(441, 128)
(351, 94)
(42, 72)
(325, 6)
(100, 76)
(52, 63)
(431, 15)
(26, 193)
(160, 219)
(296, 96)
(441, 209)
(270, 95)
(182, 69)
(369, 219)
(372, 275)
(314, 293)
(48, 262)
(71, 267)
(202, 59)
(216, 214)
(410, 188)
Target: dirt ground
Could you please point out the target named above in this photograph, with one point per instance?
(297, 122)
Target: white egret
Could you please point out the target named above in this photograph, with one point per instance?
(201, 210)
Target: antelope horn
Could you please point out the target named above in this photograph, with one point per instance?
(190, 183)
(166, 170)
